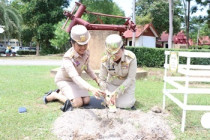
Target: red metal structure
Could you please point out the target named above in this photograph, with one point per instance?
(76, 19)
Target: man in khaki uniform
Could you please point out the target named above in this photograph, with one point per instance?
(118, 72)
(74, 90)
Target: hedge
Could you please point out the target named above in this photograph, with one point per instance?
(26, 52)
(155, 57)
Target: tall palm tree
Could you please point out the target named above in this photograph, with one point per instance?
(11, 19)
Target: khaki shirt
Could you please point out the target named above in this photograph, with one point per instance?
(72, 67)
(120, 78)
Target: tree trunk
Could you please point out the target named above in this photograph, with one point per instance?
(185, 15)
(170, 37)
(197, 37)
(188, 23)
(134, 21)
(37, 48)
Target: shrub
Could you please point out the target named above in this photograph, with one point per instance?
(26, 52)
(155, 57)
(200, 47)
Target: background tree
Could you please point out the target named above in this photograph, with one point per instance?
(204, 30)
(39, 18)
(105, 7)
(188, 11)
(200, 6)
(11, 19)
(159, 11)
(61, 38)
(144, 19)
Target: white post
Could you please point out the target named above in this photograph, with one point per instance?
(164, 86)
(185, 95)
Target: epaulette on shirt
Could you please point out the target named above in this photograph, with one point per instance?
(130, 54)
(104, 59)
(71, 55)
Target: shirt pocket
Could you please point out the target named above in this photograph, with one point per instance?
(124, 69)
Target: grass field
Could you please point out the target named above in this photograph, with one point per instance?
(24, 86)
(34, 57)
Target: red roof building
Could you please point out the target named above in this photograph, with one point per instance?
(145, 36)
(179, 38)
(204, 40)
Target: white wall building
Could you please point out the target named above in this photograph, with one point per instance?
(145, 36)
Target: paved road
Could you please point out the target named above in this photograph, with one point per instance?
(31, 62)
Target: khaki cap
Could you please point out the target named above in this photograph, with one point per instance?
(113, 43)
(80, 34)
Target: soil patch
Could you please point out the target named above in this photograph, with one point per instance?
(99, 124)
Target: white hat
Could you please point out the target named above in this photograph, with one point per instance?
(113, 43)
(80, 34)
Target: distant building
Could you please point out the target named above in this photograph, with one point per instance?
(179, 40)
(11, 42)
(204, 40)
(145, 36)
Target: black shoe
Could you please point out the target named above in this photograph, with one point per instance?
(48, 93)
(45, 96)
(67, 106)
(133, 108)
(57, 90)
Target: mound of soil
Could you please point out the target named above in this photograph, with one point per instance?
(99, 124)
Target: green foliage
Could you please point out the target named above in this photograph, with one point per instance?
(155, 57)
(61, 38)
(201, 4)
(142, 20)
(11, 19)
(205, 29)
(26, 36)
(39, 17)
(26, 52)
(205, 47)
(159, 11)
(105, 7)
(197, 24)
(200, 47)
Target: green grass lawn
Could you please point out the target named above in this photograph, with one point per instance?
(24, 86)
(34, 57)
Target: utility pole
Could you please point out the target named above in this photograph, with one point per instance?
(188, 23)
(134, 21)
(170, 37)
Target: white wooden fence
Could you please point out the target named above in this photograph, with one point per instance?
(189, 73)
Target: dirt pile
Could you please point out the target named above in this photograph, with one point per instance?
(95, 124)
